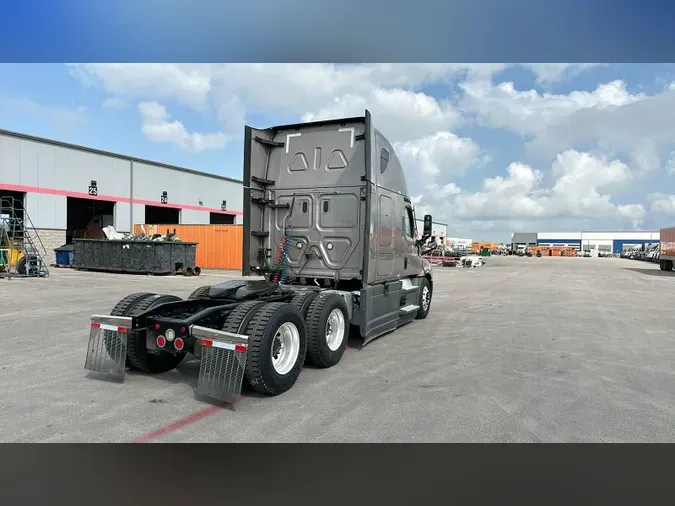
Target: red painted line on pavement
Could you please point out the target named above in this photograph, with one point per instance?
(212, 410)
(182, 422)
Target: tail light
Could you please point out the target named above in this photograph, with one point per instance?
(179, 344)
(161, 341)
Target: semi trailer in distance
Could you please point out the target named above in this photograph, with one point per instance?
(329, 227)
(667, 248)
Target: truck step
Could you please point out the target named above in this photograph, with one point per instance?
(270, 203)
(260, 233)
(408, 287)
(262, 181)
(408, 309)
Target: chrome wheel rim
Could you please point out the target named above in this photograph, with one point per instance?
(426, 298)
(335, 329)
(285, 348)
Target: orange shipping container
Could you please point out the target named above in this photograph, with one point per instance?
(219, 246)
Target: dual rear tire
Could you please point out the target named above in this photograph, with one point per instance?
(137, 354)
(313, 327)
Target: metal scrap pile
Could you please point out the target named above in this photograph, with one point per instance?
(113, 235)
(471, 261)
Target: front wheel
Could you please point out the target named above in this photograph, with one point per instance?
(276, 349)
(424, 300)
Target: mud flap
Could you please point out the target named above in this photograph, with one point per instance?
(107, 349)
(223, 362)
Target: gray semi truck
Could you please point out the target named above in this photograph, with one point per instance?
(329, 227)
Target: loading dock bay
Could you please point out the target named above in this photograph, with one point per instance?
(522, 349)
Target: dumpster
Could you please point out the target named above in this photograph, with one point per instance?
(143, 257)
(64, 255)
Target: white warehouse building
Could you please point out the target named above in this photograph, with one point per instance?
(66, 189)
(604, 242)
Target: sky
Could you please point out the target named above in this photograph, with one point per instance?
(489, 149)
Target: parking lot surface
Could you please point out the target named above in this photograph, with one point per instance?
(519, 350)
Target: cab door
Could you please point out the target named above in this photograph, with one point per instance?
(412, 262)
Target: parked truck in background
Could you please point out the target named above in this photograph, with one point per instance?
(330, 227)
(667, 248)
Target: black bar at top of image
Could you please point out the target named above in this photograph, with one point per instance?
(334, 474)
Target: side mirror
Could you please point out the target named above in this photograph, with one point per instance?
(428, 223)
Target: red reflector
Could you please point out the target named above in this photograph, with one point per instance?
(182, 330)
(240, 347)
(161, 341)
(178, 343)
(156, 326)
(96, 325)
(122, 330)
(206, 342)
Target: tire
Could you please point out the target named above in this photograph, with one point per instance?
(137, 354)
(327, 314)
(199, 292)
(662, 265)
(122, 308)
(424, 299)
(239, 319)
(303, 300)
(669, 265)
(21, 266)
(260, 371)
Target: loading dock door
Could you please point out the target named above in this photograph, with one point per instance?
(221, 219)
(159, 215)
(86, 218)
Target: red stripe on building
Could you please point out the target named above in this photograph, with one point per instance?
(110, 198)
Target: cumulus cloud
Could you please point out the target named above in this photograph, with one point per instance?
(581, 189)
(399, 114)
(529, 112)
(586, 145)
(440, 152)
(662, 203)
(159, 126)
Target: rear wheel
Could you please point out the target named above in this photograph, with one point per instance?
(137, 353)
(122, 308)
(424, 300)
(238, 320)
(199, 292)
(327, 330)
(276, 349)
(303, 300)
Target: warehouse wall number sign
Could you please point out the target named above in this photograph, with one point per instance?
(93, 189)
(165, 198)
